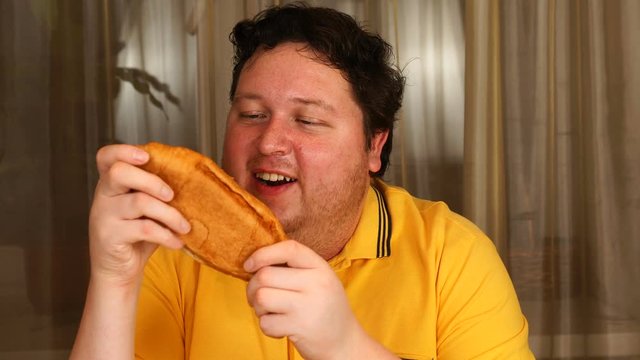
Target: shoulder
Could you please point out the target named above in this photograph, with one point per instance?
(462, 257)
(431, 221)
(478, 311)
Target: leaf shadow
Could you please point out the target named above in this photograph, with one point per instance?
(143, 82)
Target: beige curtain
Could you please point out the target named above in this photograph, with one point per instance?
(53, 107)
(522, 115)
(75, 75)
(428, 37)
(552, 164)
(153, 80)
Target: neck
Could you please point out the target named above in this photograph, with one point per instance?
(327, 236)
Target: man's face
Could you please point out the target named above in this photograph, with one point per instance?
(295, 140)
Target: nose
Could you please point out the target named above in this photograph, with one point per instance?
(275, 138)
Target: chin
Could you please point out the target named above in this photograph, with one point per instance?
(291, 227)
(287, 225)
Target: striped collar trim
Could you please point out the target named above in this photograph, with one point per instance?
(383, 243)
(372, 237)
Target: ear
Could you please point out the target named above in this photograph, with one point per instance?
(378, 140)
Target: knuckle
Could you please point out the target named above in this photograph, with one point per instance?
(325, 281)
(263, 275)
(101, 154)
(267, 326)
(293, 246)
(116, 171)
(100, 223)
(147, 227)
(139, 200)
(97, 232)
(260, 297)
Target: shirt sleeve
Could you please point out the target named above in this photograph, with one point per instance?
(159, 323)
(479, 315)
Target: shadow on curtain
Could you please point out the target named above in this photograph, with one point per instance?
(75, 76)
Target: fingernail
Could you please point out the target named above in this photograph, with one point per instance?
(248, 265)
(166, 193)
(185, 227)
(140, 155)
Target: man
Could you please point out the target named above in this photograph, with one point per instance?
(371, 273)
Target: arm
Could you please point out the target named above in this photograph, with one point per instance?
(479, 315)
(108, 322)
(306, 302)
(129, 219)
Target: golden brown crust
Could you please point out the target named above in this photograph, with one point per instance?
(227, 223)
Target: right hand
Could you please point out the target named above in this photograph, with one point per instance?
(129, 216)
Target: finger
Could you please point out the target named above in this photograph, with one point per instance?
(289, 252)
(278, 277)
(110, 154)
(275, 325)
(150, 231)
(137, 205)
(267, 300)
(122, 178)
(147, 249)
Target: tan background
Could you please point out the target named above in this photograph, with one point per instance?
(521, 115)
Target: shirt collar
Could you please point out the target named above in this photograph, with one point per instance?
(372, 237)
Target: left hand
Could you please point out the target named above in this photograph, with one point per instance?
(304, 301)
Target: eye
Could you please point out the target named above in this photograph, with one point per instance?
(306, 122)
(252, 116)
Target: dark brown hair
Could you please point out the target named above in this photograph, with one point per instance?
(364, 58)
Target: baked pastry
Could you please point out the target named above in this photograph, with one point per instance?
(227, 223)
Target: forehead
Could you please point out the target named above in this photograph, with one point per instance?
(293, 65)
(291, 75)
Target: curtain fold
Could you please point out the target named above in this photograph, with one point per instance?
(484, 168)
(52, 115)
(569, 161)
(428, 37)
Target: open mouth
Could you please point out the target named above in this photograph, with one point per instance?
(271, 179)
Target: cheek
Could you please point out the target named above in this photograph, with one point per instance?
(334, 160)
(234, 150)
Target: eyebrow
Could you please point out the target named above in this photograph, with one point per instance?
(296, 99)
(315, 102)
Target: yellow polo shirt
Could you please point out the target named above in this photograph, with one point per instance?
(422, 280)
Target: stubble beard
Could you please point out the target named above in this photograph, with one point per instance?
(331, 216)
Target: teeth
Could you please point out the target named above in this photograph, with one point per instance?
(272, 177)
